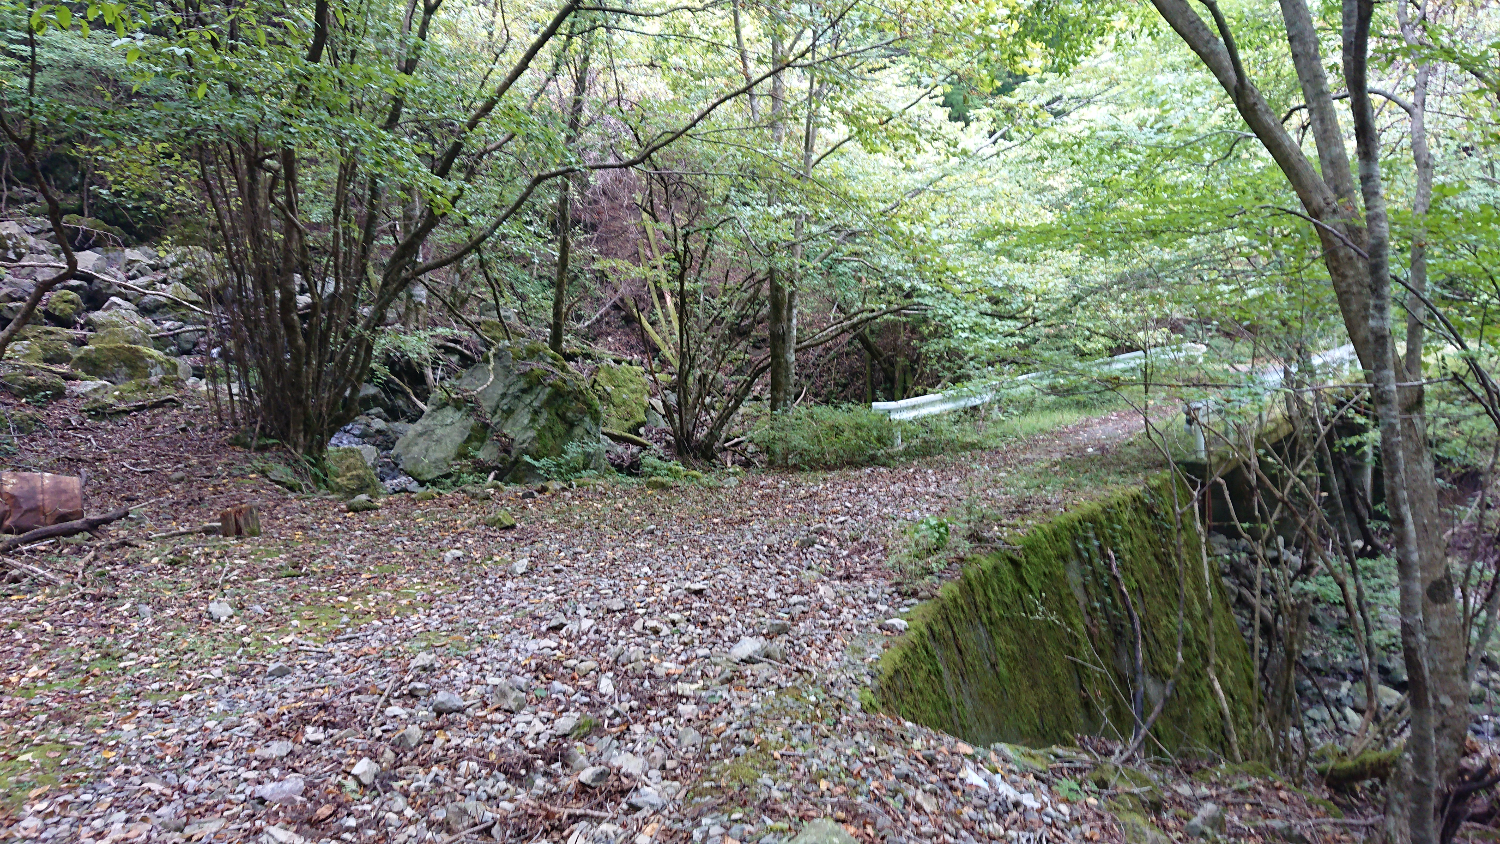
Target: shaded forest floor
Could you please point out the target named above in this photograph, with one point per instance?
(626, 664)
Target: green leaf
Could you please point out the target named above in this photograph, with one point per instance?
(64, 17)
(202, 90)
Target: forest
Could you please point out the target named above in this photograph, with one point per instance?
(749, 420)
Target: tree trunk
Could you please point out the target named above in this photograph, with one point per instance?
(1356, 254)
(783, 329)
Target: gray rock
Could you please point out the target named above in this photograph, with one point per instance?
(452, 556)
(697, 588)
(824, 831)
(747, 649)
(273, 750)
(1387, 696)
(628, 764)
(219, 611)
(287, 792)
(689, 738)
(278, 669)
(508, 698)
(408, 738)
(362, 503)
(895, 625)
(594, 777)
(1209, 820)
(365, 770)
(520, 567)
(447, 703)
(575, 759)
(646, 797)
(141, 609)
(525, 392)
(466, 815)
(424, 661)
(614, 605)
(777, 627)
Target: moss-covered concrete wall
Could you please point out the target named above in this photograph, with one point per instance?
(1034, 645)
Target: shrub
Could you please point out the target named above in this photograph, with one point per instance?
(826, 437)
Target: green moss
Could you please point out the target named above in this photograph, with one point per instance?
(63, 307)
(34, 387)
(622, 391)
(1035, 646)
(121, 362)
(348, 473)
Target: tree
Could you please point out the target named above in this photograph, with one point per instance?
(1353, 228)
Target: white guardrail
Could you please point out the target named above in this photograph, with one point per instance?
(936, 403)
(1270, 377)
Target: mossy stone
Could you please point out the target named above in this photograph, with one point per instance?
(362, 504)
(121, 362)
(119, 327)
(500, 519)
(34, 387)
(622, 392)
(63, 307)
(348, 473)
(42, 344)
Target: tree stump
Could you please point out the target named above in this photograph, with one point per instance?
(239, 520)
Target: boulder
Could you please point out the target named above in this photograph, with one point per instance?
(120, 326)
(348, 473)
(522, 401)
(823, 831)
(622, 392)
(118, 363)
(34, 387)
(63, 307)
(42, 344)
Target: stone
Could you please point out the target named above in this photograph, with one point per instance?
(361, 503)
(777, 627)
(118, 363)
(628, 764)
(502, 520)
(120, 324)
(532, 405)
(614, 605)
(424, 661)
(63, 307)
(465, 815)
(34, 387)
(278, 669)
(370, 453)
(688, 738)
(87, 388)
(1206, 822)
(287, 792)
(508, 698)
(364, 771)
(219, 611)
(1387, 696)
(42, 344)
(594, 777)
(576, 760)
(283, 836)
(451, 556)
(622, 391)
(348, 473)
(447, 703)
(646, 797)
(274, 750)
(696, 587)
(824, 831)
(747, 649)
(895, 625)
(520, 567)
(408, 738)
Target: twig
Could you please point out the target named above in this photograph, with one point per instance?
(211, 527)
(381, 703)
(628, 439)
(459, 836)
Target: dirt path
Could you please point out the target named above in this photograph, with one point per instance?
(626, 665)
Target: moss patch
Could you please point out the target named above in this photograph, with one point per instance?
(1035, 645)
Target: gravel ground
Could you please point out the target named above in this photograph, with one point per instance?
(628, 665)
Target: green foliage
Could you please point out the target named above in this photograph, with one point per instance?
(578, 460)
(928, 535)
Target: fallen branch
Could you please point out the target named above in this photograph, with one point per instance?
(86, 525)
(628, 439)
(34, 571)
(137, 406)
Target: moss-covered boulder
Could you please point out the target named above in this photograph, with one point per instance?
(63, 308)
(622, 392)
(348, 473)
(42, 344)
(1034, 645)
(523, 401)
(121, 362)
(120, 327)
(34, 386)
